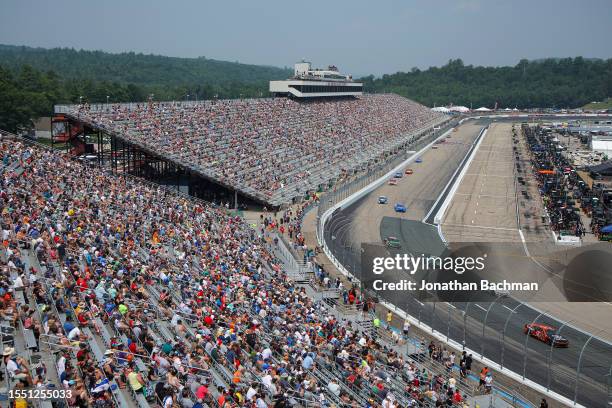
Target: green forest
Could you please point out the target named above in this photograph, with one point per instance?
(548, 83)
(32, 80)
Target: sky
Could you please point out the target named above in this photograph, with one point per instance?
(361, 37)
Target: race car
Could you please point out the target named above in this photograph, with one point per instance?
(546, 334)
(400, 208)
(398, 174)
(383, 200)
(409, 171)
(393, 182)
(392, 242)
(434, 147)
(419, 160)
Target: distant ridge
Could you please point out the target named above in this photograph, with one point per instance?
(137, 68)
(555, 83)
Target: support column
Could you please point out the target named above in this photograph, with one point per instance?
(100, 151)
(112, 145)
(123, 154)
(69, 134)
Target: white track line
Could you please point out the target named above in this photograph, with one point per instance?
(489, 175)
(480, 307)
(481, 226)
(487, 196)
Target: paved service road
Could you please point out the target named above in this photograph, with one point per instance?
(489, 191)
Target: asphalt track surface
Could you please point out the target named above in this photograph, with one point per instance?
(492, 328)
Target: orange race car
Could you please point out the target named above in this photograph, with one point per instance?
(546, 334)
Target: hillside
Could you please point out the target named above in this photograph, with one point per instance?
(32, 80)
(141, 69)
(562, 83)
(606, 104)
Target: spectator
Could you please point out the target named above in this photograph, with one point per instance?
(273, 148)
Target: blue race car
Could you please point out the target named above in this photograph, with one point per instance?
(400, 208)
(383, 200)
(398, 174)
(419, 160)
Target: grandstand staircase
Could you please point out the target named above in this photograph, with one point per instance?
(78, 146)
(75, 137)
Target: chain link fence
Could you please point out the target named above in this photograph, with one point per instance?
(493, 328)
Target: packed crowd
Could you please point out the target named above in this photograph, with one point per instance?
(149, 297)
(275, 149)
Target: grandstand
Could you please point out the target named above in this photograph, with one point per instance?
(316, 83)
(274, 151)
(129, 295)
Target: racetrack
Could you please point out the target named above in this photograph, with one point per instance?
(484, 206)
(489, 181)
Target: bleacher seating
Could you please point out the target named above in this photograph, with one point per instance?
(185, 294)
(271, 149)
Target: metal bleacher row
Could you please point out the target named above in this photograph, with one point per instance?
(271, 149)
(51, 292)
(326, 370)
